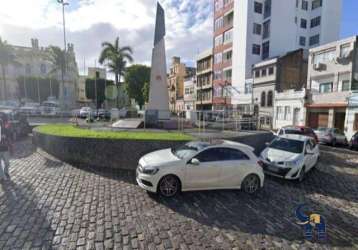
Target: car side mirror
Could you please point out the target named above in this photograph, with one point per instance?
(195, 162)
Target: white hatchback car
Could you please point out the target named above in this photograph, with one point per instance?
(200, 166)
(290, 156)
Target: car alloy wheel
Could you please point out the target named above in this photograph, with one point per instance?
(302, 175)
(169, 186)
(251, 184)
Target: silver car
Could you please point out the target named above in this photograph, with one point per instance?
(331, 136)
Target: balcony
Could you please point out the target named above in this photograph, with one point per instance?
(224, 9)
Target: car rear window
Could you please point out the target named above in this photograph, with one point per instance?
(293, 132)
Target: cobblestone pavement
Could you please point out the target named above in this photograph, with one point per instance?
(52, 205)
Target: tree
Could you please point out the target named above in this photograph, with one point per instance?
(6, 57)
(57, 57)
(117, 58)
(99, 97)
(135, 78)
(145, 91)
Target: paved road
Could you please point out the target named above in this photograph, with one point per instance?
(53, 205)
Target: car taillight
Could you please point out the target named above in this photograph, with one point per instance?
(260, 163)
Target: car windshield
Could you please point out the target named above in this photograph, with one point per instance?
(322, 129)
(293, 132)
(288, 145)
(188, 150)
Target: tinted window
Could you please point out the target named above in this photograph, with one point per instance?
(209, 155)
(293, 132)
(230, 154)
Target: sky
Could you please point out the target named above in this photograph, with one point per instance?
(90, 22)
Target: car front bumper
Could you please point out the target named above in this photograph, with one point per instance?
(281, 172)
(147, 182)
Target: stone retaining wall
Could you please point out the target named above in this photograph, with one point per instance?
(117, 154)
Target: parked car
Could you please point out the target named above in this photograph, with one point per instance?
(298, 130)
(31, 109)
(331, 136)
(200, 166)
(102, 114)
(85, 112)
(50, 108)
(290, 156)
(16, 122)
(353, 143)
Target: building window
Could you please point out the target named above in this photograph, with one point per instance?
(28, 69)
(303, 23)
(258, 7)
(345, 50)
(314, 40)
(269, 99)
(304, 4)
(325, 56)
(267, 8)
(270, 71)
(227, 75)
(218, 40)
(326, 87)
(263, 99)
(316, 4)
(297, 3)
(256, 49)
(302, 41)
(257, 73)
(257, 29)
(345, 85)
(263, 72)
(355, 125)
(219, 23)
(218, 58)
(227, 56)
(218, 90)
(266, 32)
(217, 75)
(315, 22)
(218, 5)
(287, 115)
(265, 50)
(248, 88)
(228, 36)
(43, 69)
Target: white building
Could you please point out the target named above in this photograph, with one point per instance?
(333, 84)
(249, 31)
(189, 93)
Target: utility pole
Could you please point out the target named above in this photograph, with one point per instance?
(63, 68)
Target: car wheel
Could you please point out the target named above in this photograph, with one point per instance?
(301, 177)
(169, 186)
(251, 184)
(333, 143)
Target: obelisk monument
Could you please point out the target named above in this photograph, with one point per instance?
(158, 90)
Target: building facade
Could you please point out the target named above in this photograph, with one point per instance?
(189, 93)
(81, 86)
(178, 72)
(333, 85)
(247, 32)
(33, 62)
(279, 90)
(204, 80)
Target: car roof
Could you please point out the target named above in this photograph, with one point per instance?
(230, 144)
(296, 127)
(296, 137)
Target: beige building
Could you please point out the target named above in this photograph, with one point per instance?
(33, 62)
(178, 72)
(333, 84)
(204, 79)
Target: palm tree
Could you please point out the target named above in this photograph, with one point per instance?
(57, 57)
(6, 57)
(117, 58)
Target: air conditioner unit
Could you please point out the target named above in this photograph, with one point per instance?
(318, 66)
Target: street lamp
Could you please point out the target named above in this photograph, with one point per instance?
(63, 3)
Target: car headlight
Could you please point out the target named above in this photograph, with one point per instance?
(150, 171)
(293, 163)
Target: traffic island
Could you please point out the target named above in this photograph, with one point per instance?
(103, 149)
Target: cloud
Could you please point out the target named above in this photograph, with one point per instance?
(90, 22)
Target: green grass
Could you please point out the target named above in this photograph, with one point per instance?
(72, 131)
